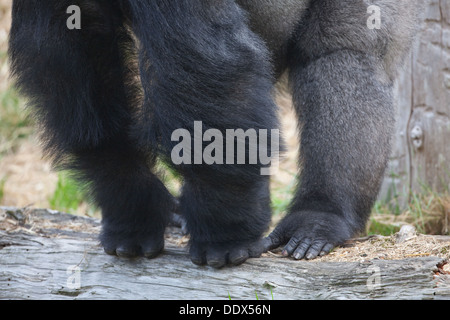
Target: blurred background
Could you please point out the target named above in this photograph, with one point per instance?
(417, 183)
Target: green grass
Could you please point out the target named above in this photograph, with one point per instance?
(379, 228)
(281, 197)
(428, 211)
(68, 196)
(171, 179)
(280, 203)
(2, 184)
(14, 123)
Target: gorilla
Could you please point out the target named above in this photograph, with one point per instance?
(109, 94)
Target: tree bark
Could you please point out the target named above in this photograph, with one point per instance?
(52, 255)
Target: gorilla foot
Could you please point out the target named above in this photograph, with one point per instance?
(177, 220)
(220, 255)
(308, 234)
(132, 243)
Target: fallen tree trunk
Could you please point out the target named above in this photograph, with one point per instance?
(51, 255)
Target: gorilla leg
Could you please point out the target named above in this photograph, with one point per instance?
(79, 86)
(135, 204)
(200, 62)
(346, 125)
(341, 75)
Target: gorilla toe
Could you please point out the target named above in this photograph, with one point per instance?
(221, 255)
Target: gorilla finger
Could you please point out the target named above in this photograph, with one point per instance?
(315, 249)
(270, 242)
(197, 255)
(326, 249)
(111, 250)
(257, 248)
(127, 251)
(238, 256)
(302, 248)
(152, 249)
(295, 244)
(216, 258)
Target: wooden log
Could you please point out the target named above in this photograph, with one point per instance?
(50, 255)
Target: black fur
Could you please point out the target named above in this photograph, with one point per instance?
(212, 61)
